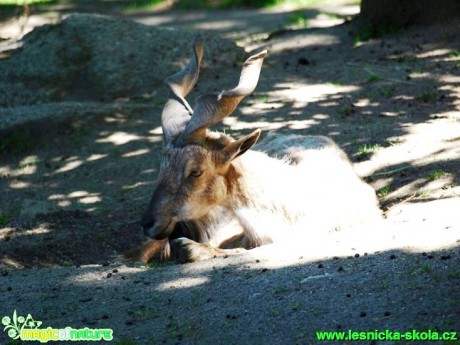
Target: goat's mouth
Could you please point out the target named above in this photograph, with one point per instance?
(159, 230)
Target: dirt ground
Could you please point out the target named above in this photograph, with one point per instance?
(72, 193)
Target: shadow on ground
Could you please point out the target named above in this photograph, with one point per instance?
(186, 304)
(391, 103)
(73, 192)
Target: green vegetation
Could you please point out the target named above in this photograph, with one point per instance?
(214, 4)
(345, 111)
(383, 285)
(206, 4)
(298, 306)
(383, 192)
(426, 269)
(197, 296)
(144, 4)
(154, 264)
(144, 313)
(426, 96)
(16, 142)
(261, 98)
(22, 2)
(456, 57)
(424, 193)
(366, 33)
(298, 20)
(281, 289)
(176, 329)
(373, 77)
(102, 235)
(275, 311)
(453, 275)
(4, 219)
(435, 174)
(334, 84)
(416, 72)
(387, 91)
(14, 7)
(367, 149)
(79, 135)
(27, 164)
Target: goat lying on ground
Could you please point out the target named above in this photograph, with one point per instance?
(215, 194)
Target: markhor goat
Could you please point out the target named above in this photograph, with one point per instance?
(215, 194)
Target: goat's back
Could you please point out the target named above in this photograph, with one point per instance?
(328, 178)
(293, 148)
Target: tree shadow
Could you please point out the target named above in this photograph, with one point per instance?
(93, 174)
(381, 92)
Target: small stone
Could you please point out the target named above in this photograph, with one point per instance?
(387, 313)
(340, 269)
(363, 314)
(109, 275)
(303, 61)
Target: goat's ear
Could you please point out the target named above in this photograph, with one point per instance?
(237, 148)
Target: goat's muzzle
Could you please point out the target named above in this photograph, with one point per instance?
(157, 230)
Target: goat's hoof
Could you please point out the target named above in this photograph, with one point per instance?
(186, 250)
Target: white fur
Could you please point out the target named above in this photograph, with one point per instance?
(320, 193)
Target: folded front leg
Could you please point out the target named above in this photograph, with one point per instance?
(151, 250)
(186, 250)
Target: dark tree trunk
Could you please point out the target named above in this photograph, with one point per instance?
(401, 13)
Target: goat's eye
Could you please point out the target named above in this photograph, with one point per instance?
(196, 173)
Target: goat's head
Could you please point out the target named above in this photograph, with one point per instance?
(195, 161)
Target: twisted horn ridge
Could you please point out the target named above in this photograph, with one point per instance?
(212, 108)
(177, 112)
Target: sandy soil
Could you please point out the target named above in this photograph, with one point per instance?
(73, 193)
